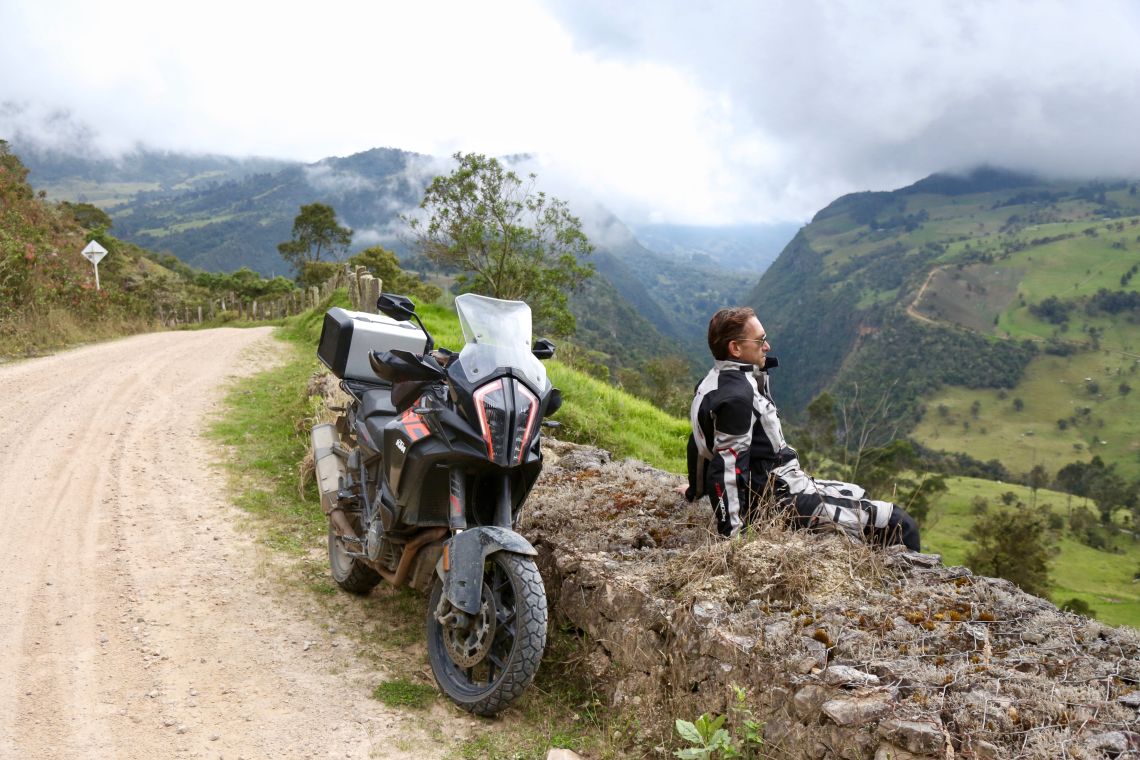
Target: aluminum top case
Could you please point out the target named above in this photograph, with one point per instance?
(348, 336)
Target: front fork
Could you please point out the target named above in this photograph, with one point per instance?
(460, 568)
(457, 502)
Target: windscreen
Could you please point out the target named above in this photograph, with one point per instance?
(497, 334)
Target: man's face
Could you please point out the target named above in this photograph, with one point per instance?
(752, 345)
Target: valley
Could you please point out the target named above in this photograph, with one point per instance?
(992, 311)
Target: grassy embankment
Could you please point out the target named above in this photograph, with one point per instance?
(266, 429)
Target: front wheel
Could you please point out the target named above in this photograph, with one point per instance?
(484, 661)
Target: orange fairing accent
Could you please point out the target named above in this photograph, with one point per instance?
(446, 558)
(413, 425)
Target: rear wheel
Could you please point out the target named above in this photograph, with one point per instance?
(350, 573)
(486, 660)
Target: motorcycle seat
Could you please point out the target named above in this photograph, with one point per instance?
(377, 401)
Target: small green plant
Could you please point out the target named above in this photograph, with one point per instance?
(400, 692)
(711, 740)
(707, 735)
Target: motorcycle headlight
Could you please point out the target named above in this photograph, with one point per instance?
(508, 418)
(491, 405)
(526, 418)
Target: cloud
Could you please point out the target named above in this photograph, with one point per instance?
(324, 177)
(854, 95)
(662, 110)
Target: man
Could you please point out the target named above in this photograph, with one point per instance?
(738, 455)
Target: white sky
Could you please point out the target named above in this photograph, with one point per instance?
(688, 112)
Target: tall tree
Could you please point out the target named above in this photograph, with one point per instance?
(511, 241)
(316, 233)
(1038, 478)
(1012, 544)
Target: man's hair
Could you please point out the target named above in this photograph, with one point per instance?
(727, 325)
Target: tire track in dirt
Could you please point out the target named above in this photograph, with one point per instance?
(139, 618)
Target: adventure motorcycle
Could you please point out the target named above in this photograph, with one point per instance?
(424, 475)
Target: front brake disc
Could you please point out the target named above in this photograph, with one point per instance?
(469, 645)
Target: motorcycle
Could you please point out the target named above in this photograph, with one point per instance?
(425, 473)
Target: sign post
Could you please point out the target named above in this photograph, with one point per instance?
(95, 253)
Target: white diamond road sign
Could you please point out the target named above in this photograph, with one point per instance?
(94, 252)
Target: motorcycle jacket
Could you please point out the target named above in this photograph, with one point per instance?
(737, 441)
(737, 454)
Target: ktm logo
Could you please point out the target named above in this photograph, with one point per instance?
(400, 445)
(413, 425)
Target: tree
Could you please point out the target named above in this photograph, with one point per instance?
(383, 263)
(1038, 478)
(1012, 544)
(315, 234)
(817, 437)
(512, 241)
(88, 216)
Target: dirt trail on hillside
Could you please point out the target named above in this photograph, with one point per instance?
(141, 620)
(912, 307)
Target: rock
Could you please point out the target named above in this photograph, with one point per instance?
(844, 675)
(858, 710)
(707, 611)
(815, 649)
(807, 700)
(1131, 699)
(920, 738)
(778, 633)
(891, 752)
(558, 753)
(984, 750)
(585, 458)
(1115, 743)
(598, 663)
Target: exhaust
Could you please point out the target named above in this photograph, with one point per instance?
(329, 464)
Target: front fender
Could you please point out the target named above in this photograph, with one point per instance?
(465, 553)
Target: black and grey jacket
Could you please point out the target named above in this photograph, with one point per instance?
(737, 440)
(737, 452)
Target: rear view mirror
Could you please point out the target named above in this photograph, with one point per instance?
(543, 349)
(399, 308)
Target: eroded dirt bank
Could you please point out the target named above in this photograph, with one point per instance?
(138, 618)
(844, 652)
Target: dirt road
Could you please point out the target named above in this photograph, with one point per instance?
(138, 620)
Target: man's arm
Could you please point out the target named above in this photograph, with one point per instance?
(729, 471)
(696, 468)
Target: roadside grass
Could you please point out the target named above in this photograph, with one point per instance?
(262, 428)
(57, 329)
(1103, 579)
(400, 692)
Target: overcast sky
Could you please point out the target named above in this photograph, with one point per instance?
(687, 112)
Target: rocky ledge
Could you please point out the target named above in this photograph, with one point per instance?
(842, 651)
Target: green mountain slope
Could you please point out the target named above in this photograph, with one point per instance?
(83, 175)
(984, 288)
(221, 216)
